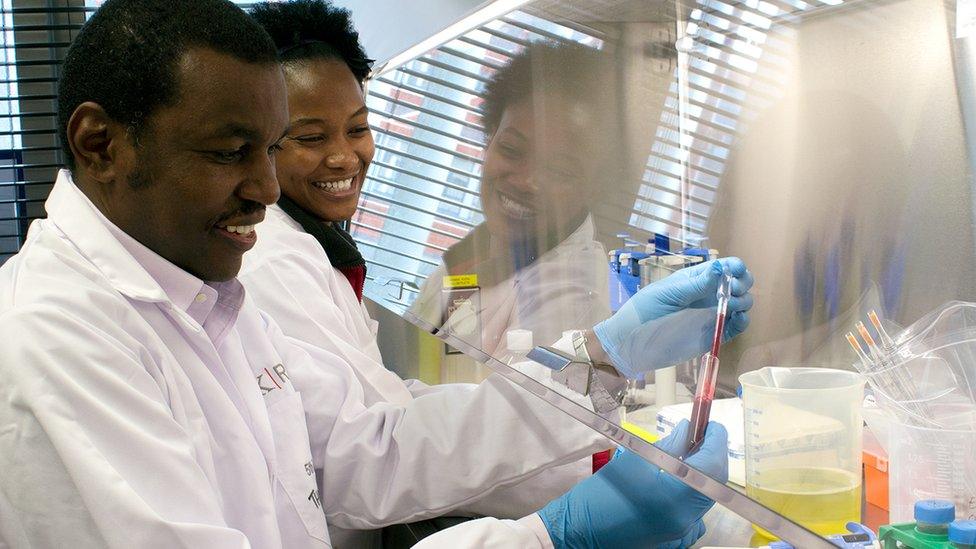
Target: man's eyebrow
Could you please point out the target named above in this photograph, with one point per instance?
(236, 130)
(243, 132)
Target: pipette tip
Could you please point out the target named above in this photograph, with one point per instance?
(866, 335)
(886, 341)
(857, 348)
(861, 329)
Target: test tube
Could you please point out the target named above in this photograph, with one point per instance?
(708, 370)
(704, 394)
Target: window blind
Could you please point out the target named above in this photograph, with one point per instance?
(35, 37)
(683, 170)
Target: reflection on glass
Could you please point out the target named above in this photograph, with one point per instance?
(825, 143)
(533, 263)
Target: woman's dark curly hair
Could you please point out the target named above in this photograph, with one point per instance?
(574, 71)
(313, 29)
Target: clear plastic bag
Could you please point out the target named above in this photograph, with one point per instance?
(927, 378)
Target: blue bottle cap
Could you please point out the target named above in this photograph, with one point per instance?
(934, 511)
(963, 532)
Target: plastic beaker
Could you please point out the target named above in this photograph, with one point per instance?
(803, 431)
(928, 463)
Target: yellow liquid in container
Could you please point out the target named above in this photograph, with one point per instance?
(822, 499)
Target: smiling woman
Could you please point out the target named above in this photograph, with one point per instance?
(329, 146)
(307, 274)
(324, 157)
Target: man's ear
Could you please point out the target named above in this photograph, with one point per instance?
(101, 146)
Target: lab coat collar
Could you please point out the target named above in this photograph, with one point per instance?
(133, 269)
(274, 212)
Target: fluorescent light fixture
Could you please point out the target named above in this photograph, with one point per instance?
(491, 10)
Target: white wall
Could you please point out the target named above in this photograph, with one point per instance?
(388, 27)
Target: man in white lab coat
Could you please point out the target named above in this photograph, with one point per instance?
(147, 402)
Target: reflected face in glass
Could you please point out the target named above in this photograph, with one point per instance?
(329, 145)
(535, 174)
(204, 166)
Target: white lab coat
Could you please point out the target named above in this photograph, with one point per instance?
(289, 276)
(126, 422)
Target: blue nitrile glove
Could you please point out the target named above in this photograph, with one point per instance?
(631, 503)
(694, 534)
(673, 320)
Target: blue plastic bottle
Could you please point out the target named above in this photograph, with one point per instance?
(962, 534)
(932, 516)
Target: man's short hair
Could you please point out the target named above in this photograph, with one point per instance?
(125, 58)
(574, 72)
(313, 29)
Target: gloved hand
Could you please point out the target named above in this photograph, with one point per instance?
(672, 320)
(694, 534)
(631, 503)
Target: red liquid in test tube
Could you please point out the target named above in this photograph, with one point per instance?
(708, 371)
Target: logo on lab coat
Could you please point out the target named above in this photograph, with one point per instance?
(313, 496)
(272, 379)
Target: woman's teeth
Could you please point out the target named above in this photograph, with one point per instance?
(515, 209)
(240, 229)
(334, 186)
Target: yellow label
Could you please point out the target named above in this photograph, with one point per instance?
(639, 431)
(461, 281)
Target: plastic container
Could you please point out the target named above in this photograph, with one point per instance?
(907, 536)
(931, 464)
(932, 516)
(925, 392)
(962, 534)
(875, 472)
(803, 442)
